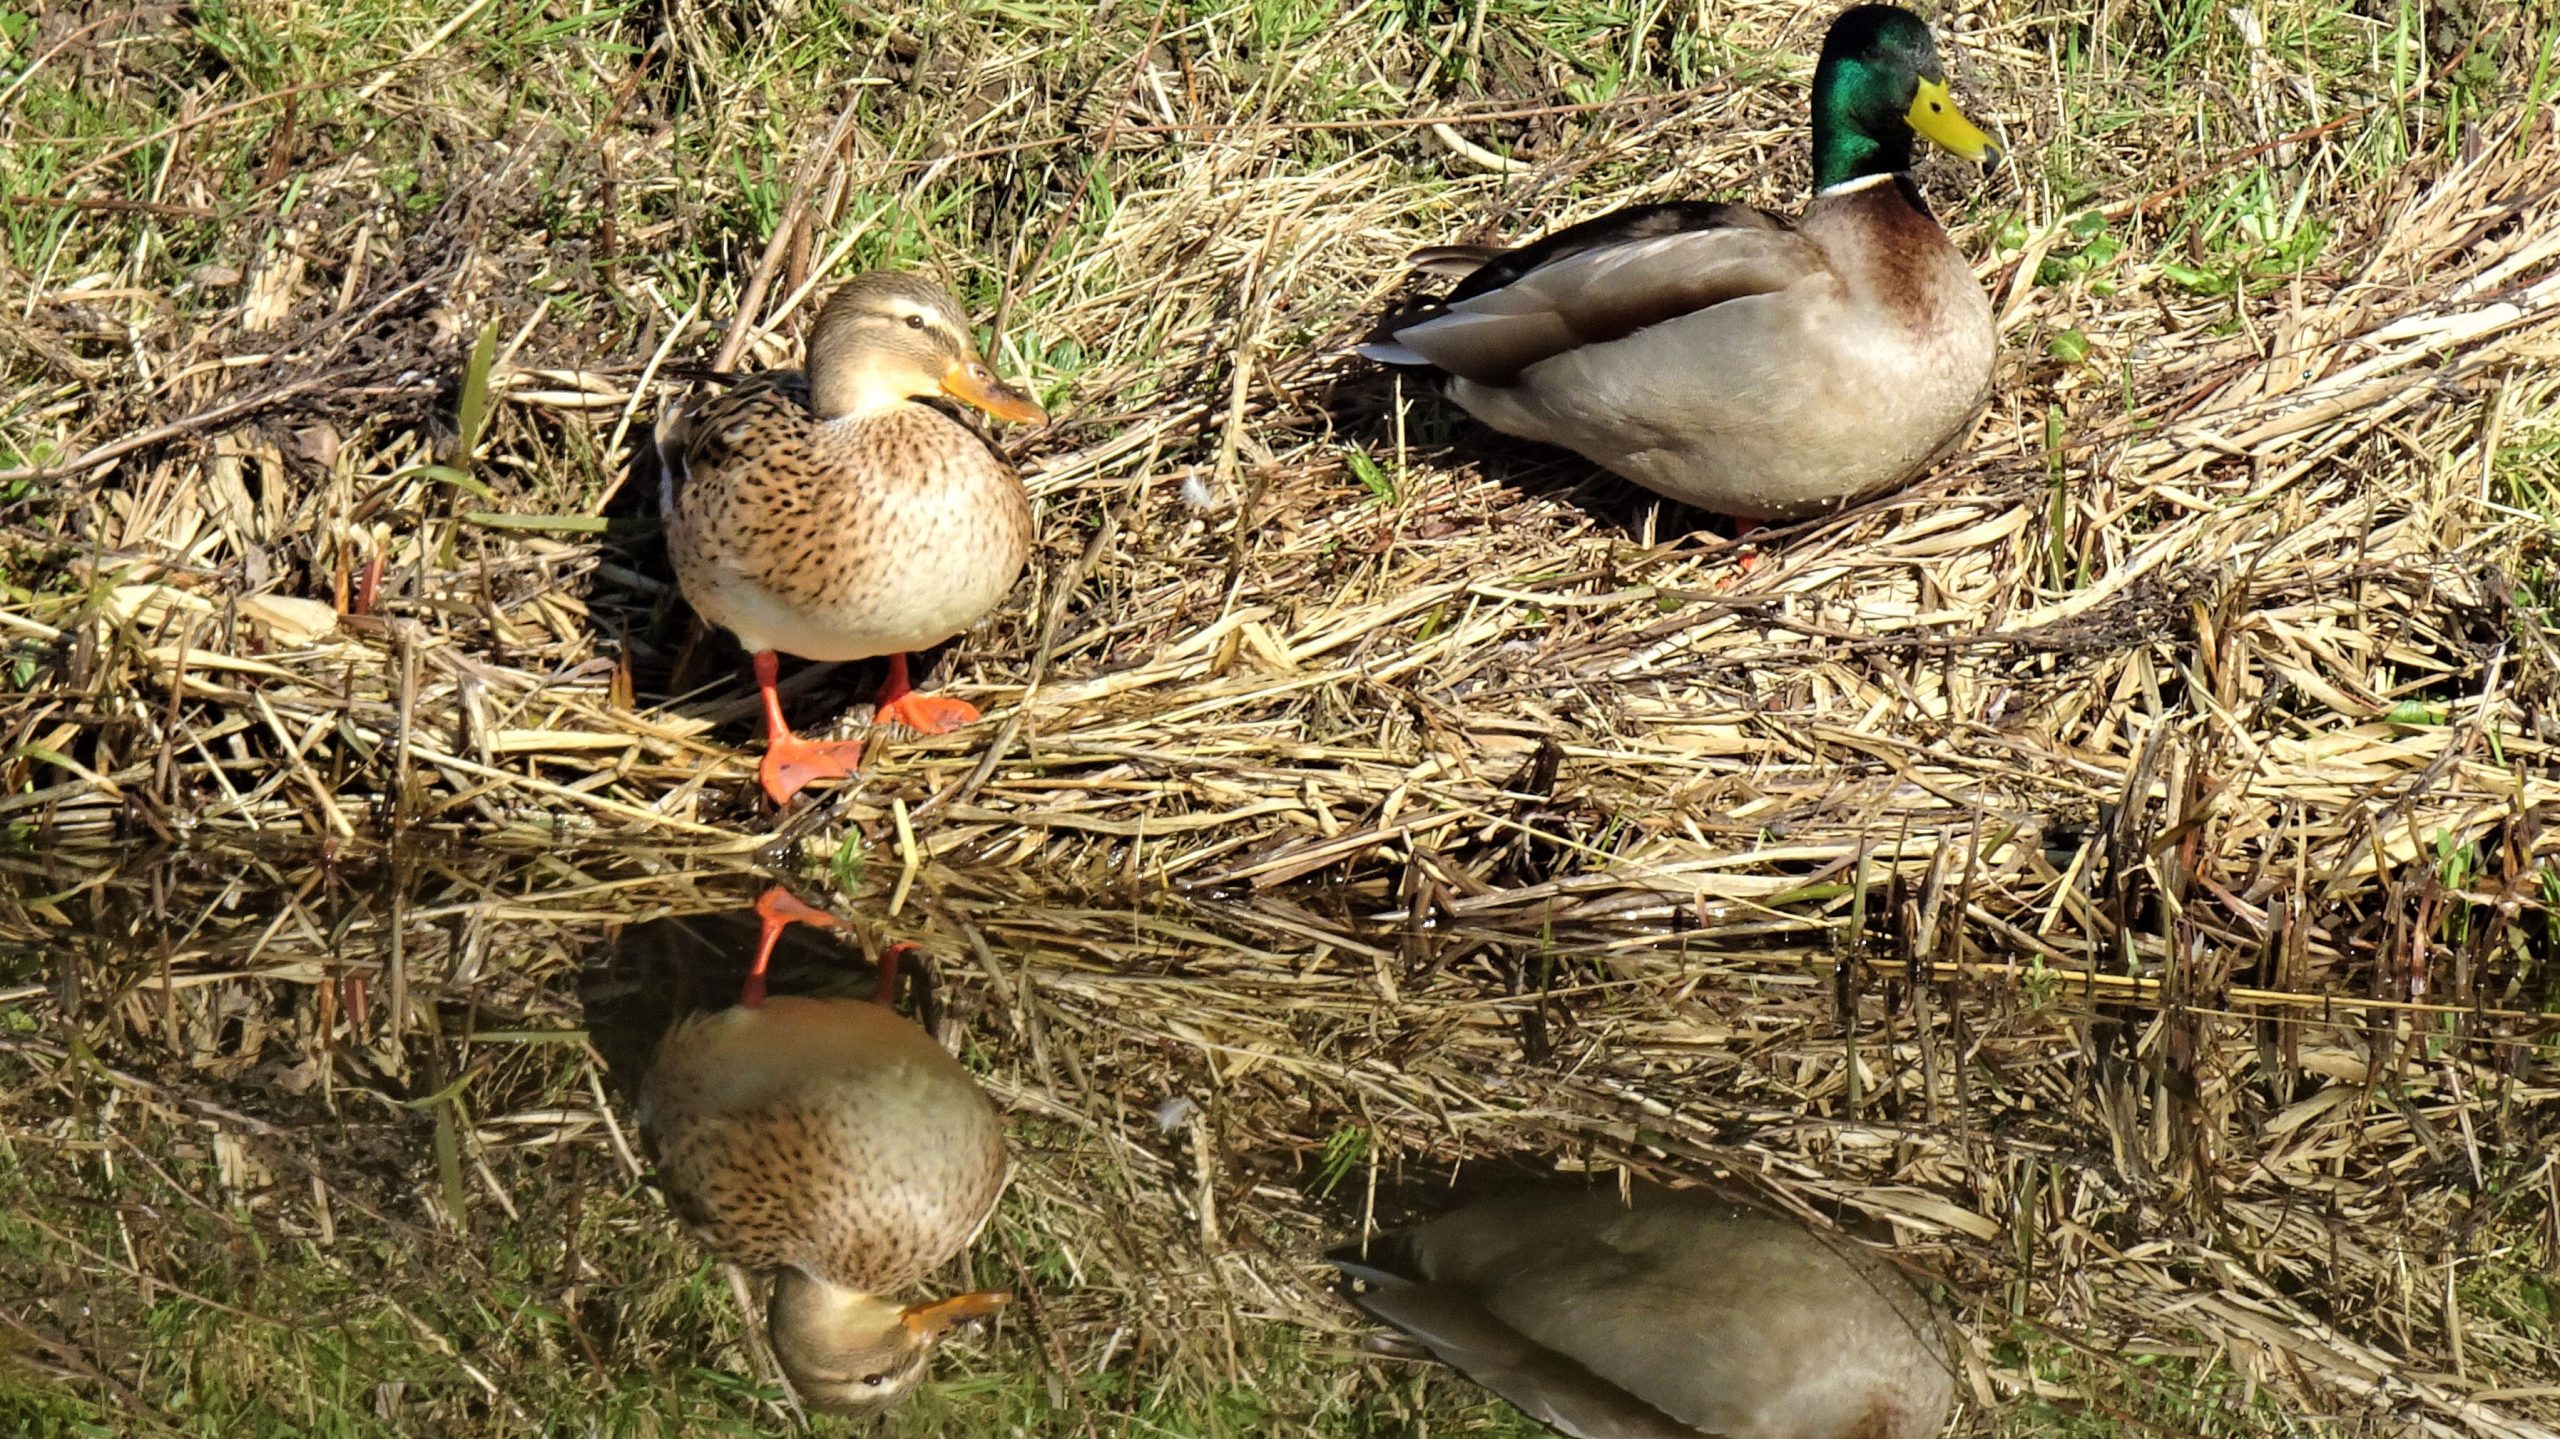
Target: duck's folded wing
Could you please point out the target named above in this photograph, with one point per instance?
(705, 435)
(1604, 293)
(1498, 268)
(1549, 1387)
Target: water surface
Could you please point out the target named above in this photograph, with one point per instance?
(300, 1147)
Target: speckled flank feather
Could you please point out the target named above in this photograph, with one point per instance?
(828, 1135)
(838, 540)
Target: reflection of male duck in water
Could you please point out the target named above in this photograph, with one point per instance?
(1677, 1317)
(832, 1142)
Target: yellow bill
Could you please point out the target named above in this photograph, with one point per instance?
(1934, 114)
(972, 383)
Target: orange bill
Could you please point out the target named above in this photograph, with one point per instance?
(972, 383)
(932, 1319)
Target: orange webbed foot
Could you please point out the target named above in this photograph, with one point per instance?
(1748, 558)
(926, 714)
(791, 762)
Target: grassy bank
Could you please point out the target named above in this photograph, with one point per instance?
(344, 326)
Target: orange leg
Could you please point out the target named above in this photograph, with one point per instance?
(779, 910)
(790, 761)
(898, 703)
(886, 992)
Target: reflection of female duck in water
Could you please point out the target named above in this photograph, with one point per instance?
(832, 1142)
(1679, 1317)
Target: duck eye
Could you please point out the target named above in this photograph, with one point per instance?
(874, 1381)
(915, 322)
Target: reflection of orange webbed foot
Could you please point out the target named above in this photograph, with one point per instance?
(778, 909)
(926, 714)
(778, 906)
(791, 762)
(885, 990)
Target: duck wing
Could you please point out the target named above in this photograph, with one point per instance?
(1498, 268)
(704, 436)
(1550, 1387)
(1596, 282)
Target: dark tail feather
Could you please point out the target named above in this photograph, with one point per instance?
(1388, 1255)
(1449, 262)
(1382, 344)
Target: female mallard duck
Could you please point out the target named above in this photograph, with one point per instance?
(836, 516)
(1677, 1317)
(833, 1142)
(1713, 354)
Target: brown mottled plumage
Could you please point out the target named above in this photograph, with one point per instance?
(832, 1142)
(1676, 1317)
(835, 516)
(1714, 354)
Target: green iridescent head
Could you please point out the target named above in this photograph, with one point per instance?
(1878, 85)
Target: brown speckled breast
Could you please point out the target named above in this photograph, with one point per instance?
(1900, 265)
(827, 1134)
(837, 540)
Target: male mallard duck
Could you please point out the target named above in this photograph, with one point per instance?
(833, 1142)
(1712, 353)
(836, 516)
(1679, 1317)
